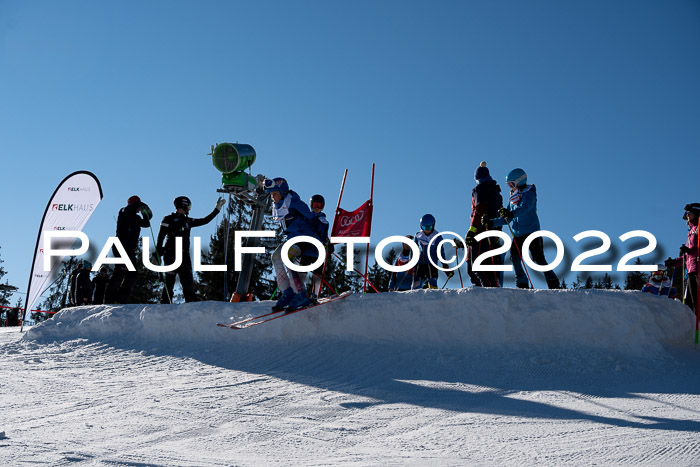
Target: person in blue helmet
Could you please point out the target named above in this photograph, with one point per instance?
(522, 211)
(296, 219)
(428, 240)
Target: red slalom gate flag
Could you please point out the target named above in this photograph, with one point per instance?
(357, 223)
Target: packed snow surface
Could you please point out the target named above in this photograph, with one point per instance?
(449, 377)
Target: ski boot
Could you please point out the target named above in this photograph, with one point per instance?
(284, 300)
(313, 298)
(300, 300)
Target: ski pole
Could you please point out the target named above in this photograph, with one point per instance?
(684, 277)
(160, 274)
(448, 280)
(519, 253)
(461, 283)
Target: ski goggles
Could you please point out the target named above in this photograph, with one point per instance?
(511, 185)
(426, 227)
(267, 183)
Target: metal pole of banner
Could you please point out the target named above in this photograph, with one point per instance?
(371, 209)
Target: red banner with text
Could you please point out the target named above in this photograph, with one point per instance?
(357, 223)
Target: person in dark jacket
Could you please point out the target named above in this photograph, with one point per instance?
(132, 218)
(71, 283)
(486, 201)
(99, 286)
(178, 224)
(317, 203)
(83, 285)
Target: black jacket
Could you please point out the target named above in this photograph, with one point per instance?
(83, 288)
(486, 199)
(178, 225)
(129, 224)
(99, 286)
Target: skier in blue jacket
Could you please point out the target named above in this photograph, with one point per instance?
(522, 211)
(296, 220)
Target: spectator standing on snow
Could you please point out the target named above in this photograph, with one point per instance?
(178, 225)
(132, 218)
(83, 285)
(690, 252)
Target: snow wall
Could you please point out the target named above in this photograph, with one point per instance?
(624, 322)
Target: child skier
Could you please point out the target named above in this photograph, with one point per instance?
(296, 220)
(522, 210)
(659, 284)
(317, 203)
(402, 280)
(426, 273)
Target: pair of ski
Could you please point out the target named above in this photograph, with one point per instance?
(273, 315)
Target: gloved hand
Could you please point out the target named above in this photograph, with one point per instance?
(459, 245)
(294, 252)
(220, 203)
(505, 213)
(685, 250)
(469, 238)
(146, 212)
(486, 222)
(673, 263)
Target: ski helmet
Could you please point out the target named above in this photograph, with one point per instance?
(317, 199)
(276, 184)
(516, 177)
(182, 202)
(659, 274)
(133, 199)
(427, 222)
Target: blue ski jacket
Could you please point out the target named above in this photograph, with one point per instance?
(423, 240)
(523, 206)
(295, 217)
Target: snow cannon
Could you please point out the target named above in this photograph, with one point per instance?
(232, 159)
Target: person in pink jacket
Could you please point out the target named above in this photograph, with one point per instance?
(690, 251)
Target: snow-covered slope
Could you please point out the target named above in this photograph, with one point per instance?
(454, 377)
(629, 322)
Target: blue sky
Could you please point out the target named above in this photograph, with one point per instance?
(599, 102)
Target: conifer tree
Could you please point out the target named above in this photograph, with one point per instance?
(4, 294)
(635, 280)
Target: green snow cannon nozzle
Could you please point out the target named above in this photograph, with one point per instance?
(232, 159)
